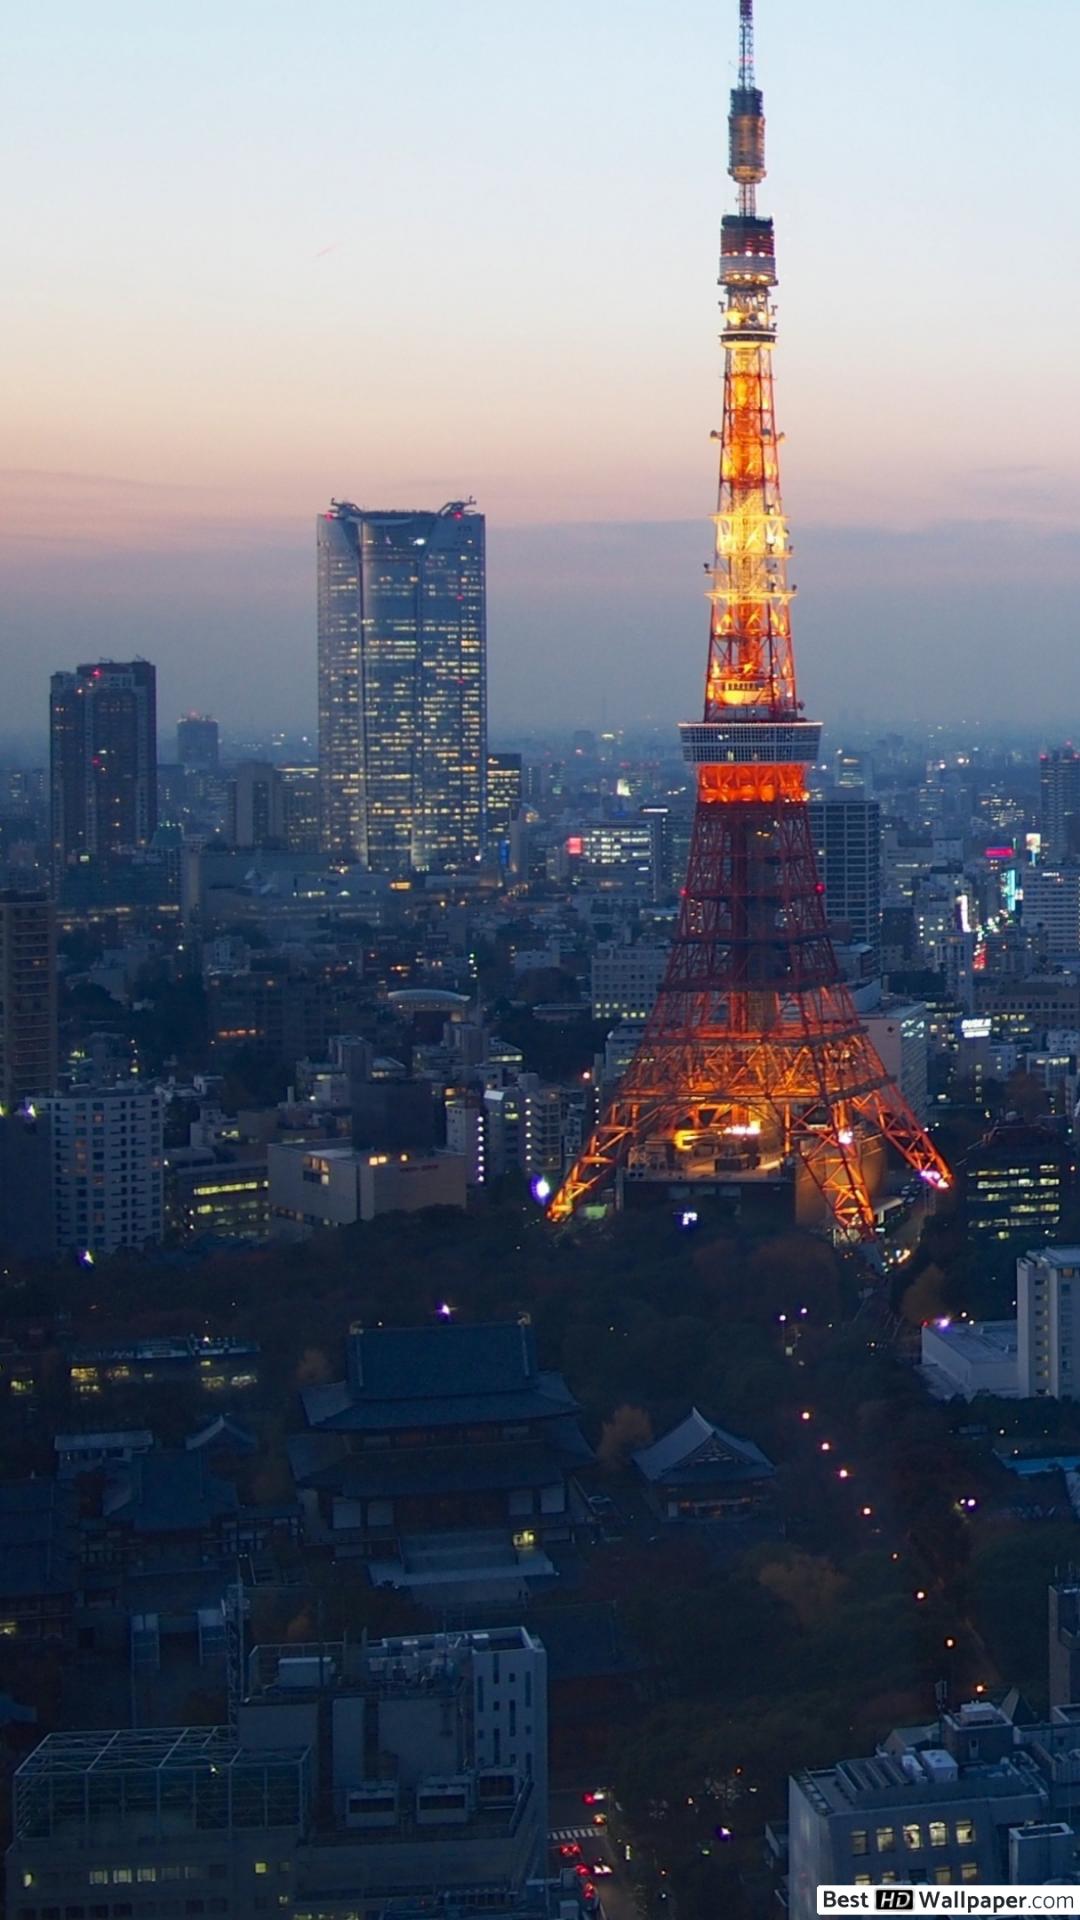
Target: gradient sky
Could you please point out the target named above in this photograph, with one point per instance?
(259, 254)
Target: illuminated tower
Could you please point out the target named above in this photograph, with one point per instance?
(753, 1060)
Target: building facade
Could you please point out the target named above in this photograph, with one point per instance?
(27, 997)
(847, 840)
(103, 760)
(1059, 803)
(403, 687)
(197, 742)
(1048, 1324)
(107, 1167)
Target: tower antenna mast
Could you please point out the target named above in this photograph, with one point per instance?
(754, 1075)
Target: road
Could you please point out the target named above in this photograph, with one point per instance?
(568, 1815)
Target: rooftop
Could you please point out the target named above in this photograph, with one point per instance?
(448, 1375)
(696, 1449)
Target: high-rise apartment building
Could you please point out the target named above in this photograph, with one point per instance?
(103, 760)
(1059, 803)
(1052, 909)
(402, 687)
(197, 742)
(847, 841)
(107, 1167)
(1048, 1324)
(27, 997)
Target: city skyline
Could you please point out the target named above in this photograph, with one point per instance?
(168, 448)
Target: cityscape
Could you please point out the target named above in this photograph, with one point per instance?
(539, 1245)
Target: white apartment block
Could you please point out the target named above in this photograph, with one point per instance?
(1048, 1324)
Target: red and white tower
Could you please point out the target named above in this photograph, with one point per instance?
(753, 1059)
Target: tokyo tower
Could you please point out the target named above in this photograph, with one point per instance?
(753, 1063)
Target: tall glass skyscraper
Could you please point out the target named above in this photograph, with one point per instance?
(402, 687)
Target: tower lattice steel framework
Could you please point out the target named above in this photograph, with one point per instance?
(753, 1057)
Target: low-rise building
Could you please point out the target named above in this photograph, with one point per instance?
(335, 1186)
(962, 1358)
(956, 1812)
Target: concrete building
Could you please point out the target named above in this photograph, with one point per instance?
(962, 1358)
(1014, 1183)
(311, 1187)
(1048, 1323)
(1052, 909)
(129, 1820)
(229, 1200)
(107, 1167)
(255, 799)
(197, 743)
(986, 1803)
(27, 997)
(625, 982)
(847, 840)
(899, 1032)
(1059, 804)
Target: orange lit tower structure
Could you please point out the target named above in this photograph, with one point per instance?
(753, 1059)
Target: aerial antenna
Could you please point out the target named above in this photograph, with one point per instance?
(746, 43)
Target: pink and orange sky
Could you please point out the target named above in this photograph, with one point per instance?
(257, 255)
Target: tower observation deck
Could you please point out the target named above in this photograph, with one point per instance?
(753, 1063)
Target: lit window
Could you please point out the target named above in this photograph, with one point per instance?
(965, 1833)
(858, 1840)
(913, 1837)
(943, 1876)
(261, 1866)
(886, 1839)
(969, 1870)
(939, 1834)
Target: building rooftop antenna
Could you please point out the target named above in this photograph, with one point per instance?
(746, 43)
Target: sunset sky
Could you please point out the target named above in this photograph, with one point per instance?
(261, 254)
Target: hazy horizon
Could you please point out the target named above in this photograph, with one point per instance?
(255, 292)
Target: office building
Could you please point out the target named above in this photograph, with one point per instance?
(107, 1167)
(228, 1200)
(847, 840)
(403, 687)
(255, 806)
(1052, 909)
(1048, 1323)
(1014, 1182)
(504, 792)
(303, 831)
(625, 982)
(197, 744)
(335, 1186)
(163, 1820)
(103, 760)
(1059, 803)
(974, 1800)
(27, 997)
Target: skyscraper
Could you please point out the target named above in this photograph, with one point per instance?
(103, 760)
(847, 841)
(27, 997)
(402, 686)
(1059, 803)
(197, 742)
